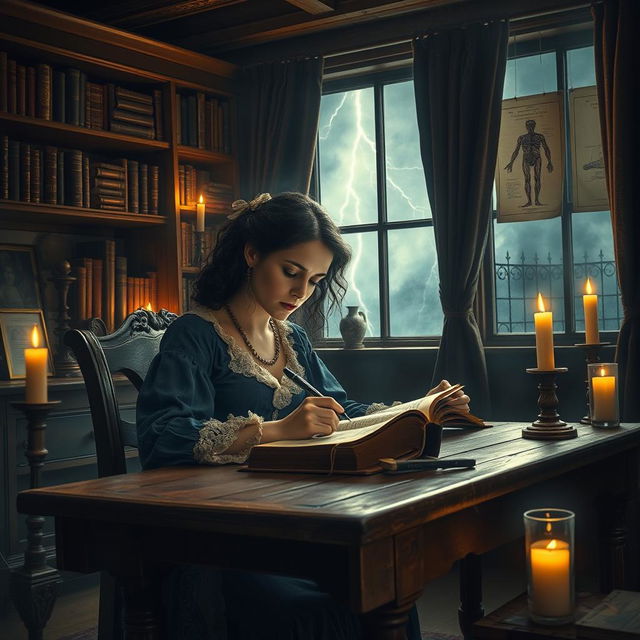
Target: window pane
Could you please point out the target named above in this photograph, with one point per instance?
(593, 256)
(364, 283)
(528, 259)
(414, 302)
(346, 146)
(530, 75)
(406, 189)
(581, 68)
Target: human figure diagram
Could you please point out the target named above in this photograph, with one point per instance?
(531, 143)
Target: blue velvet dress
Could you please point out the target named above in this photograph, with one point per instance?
(200, 392)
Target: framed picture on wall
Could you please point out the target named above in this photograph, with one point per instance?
(18, 277)
(16, 326)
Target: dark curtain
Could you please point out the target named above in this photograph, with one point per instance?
(458, 78)
(617, 52)
(278, 122)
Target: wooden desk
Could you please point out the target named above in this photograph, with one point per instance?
(373, 541)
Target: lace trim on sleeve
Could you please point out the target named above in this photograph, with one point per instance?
(380, 406)
(216, 437)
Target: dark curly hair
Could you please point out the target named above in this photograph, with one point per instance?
(282, 222)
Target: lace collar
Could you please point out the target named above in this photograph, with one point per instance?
(241, 362)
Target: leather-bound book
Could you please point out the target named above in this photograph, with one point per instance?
(25, 172)
(133, 186)
(120, 311)
(58, 96)
(154, 186)
(357, 446)
(144, 188)
(21, 90)
(32, 92)
(36, 175)
(50, 175)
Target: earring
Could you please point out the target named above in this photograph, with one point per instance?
(249, 273)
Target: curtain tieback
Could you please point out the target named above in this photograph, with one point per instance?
(457, 314)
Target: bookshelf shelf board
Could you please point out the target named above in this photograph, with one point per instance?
(70, 136)
(12, 209)
(191, 154)
(191, 209)
(191, 270)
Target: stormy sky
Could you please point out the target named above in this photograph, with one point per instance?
(348, 191)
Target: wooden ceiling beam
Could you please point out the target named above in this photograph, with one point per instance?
(145, 14)
(314, 7)
(348, 12)
(402, 29)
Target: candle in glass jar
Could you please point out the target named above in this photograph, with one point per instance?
(200, 205)
(590, 304)
(604, 398)
(551, 578)
(543, 321)
(36, 359)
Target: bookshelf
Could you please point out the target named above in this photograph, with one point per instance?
(126, 100)
(46, 45)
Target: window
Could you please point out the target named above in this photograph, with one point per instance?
(370, 178)
(553, 256)
(371, 181)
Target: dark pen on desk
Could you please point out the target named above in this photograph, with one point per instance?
(303, 384)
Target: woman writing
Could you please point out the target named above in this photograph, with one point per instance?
(217, 388)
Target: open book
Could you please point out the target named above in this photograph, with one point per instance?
(356, 447)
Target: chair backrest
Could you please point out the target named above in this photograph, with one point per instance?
(129, 350)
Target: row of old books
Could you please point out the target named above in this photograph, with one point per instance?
(190, 255)
(194, 182)
(67, 95)
(203, 122)
(103, 288)
(50, 175)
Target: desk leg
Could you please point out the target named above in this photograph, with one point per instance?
(471, 608)
(141, 606)
(388, 622)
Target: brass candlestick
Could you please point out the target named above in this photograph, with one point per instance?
(592, 354)
(34, 586)
(200, 256)
(548, 426)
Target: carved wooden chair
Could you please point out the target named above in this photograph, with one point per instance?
(129, 351)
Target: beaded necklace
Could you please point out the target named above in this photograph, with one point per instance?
(256, 355)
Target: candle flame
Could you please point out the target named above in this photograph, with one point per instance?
(602, 371)
(35, 336)
(201, 201)
(149, 307)
(553, 544)
(588, 288)
(540, 303)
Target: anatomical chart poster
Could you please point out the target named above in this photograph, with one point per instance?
(589, 191)
(529, 172)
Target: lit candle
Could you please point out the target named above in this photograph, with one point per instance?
(36, 360)
(551, 578)
(200, 214)
(590, 304)
(543, 321)
(149, 307)
(604, 398)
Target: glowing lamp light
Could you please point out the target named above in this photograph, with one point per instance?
(149, 307)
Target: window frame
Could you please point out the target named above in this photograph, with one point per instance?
(560, 44)
(376, 80)
(521, 45)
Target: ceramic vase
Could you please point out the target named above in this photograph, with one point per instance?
(353, 327)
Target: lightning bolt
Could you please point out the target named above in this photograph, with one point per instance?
(352, 201)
